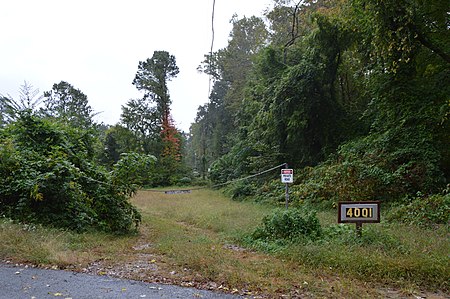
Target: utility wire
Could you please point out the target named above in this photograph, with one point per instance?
(198, 188)
(249, 177)
(212, 45)
(226, 183)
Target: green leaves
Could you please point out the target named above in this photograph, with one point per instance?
(131, 171)
(422, 210)
(48, 176)
(288, 225)
(68, 104)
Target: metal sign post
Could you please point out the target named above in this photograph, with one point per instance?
(287, 177)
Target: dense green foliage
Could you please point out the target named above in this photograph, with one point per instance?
(352, 94)
(48, 175)
(150, 122)
(288, 225)
(423, 211)
(68, 104)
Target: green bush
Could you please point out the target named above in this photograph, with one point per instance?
(48, 176)
(383, 167)
(290, 225)
(235, 164)
(131, 171)
(420, 210)
(272, 192)
(241, 189)
(184, 181)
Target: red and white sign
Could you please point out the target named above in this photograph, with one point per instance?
(287, 176)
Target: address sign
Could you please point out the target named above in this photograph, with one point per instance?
(359, 211)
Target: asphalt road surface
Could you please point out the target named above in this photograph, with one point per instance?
(33, 283)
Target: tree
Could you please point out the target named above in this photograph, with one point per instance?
(28, 100)
(232, 64)
(355, 88)
(404, 45)
(229, 68)
(119, 140)
(68, 104)
(144, 121)
(152, 77)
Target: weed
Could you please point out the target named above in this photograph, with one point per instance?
(421, 210)
(289, 224)
(204, 236)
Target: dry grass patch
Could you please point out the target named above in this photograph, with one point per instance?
(50, 247)
(193, 240)
(195, 234)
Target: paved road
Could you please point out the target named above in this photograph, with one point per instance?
(32, 283)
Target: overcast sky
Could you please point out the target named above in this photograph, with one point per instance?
(96, 46)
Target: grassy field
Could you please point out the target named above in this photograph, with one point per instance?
(199, 239)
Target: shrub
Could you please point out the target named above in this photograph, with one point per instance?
(131, 171)
(420, 210)
(288, 224)
(272, 192)
(381, 166)
(241, 189)
(48, 176)
(184, 181)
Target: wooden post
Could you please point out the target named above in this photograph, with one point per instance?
(359, 229)
(286, 190)
(287, 195)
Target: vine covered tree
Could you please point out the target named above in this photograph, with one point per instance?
(348, 87)
(152, 78)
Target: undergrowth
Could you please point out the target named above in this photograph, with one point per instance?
(205, 236)
(381, 254)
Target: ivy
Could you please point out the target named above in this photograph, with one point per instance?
(48, 176)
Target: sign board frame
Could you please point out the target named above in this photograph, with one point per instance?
(371, 209)
(287, 176)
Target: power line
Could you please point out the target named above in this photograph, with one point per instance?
(250, 176)
(212, 45)
(224, 184)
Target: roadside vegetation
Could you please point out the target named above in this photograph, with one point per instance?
(207, 240)
(352, 94)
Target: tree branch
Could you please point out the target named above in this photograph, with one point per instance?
(428, 44)
(294, 29)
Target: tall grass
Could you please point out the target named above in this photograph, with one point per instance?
(202, 237)
(23, 243)
(205, 209)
